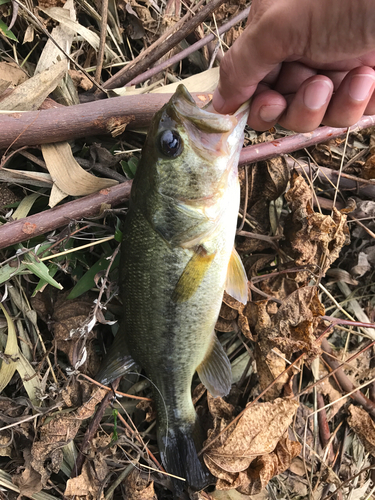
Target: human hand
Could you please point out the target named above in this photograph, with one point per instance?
(305, 62)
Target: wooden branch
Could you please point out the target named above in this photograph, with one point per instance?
(160, 49)
(294, 142)
(43, 222)
(34, 225)
(70, 122)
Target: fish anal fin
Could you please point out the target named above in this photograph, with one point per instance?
(215, 371)
(117, 362)
(192, 275)
(236, 284)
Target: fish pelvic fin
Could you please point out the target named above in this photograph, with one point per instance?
(117, 362)
(215, 370)
(236, 284)
(178, 449)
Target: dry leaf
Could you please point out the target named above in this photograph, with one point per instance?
(295, 325)
(269, 367)
(139, 488)
(312, 238)
(86, 486)
(68, 175)
(12, 73)
(363, 425)
(47, 451)
(29, 95)
(256, 434)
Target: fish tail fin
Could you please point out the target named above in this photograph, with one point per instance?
(178, 449)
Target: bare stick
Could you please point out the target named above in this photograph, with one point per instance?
(43, 222)
(103, 36)
(72, 122)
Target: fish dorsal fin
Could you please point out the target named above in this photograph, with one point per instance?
(236, 284)
(192, 275)
(215, 371)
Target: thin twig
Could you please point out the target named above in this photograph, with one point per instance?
(103, 36)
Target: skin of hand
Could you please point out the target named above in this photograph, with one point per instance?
(303, 62)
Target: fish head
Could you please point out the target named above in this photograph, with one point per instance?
(191, 154)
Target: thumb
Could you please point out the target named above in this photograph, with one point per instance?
(258, 52)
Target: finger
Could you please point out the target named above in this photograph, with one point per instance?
(370, 108)
(291, 77)
(308, 107)
(266, 108)
(352, 98)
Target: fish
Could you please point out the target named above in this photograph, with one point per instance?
(177, 258)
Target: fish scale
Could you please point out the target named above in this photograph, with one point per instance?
(177, 259)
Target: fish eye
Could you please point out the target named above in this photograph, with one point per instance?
(171, 143)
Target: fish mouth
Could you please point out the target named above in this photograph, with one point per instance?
(211, 133)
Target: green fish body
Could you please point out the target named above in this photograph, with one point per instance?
(177, 259)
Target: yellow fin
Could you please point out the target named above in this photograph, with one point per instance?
(192, 275)
(215, 370)
(236, 284)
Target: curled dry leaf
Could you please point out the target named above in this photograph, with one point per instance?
(363, 425)
(256, 435)
(312, 239)
(295, 325)
(86, 486)
(68, 175)
(269, 367)
(139, 488)
(47, 451)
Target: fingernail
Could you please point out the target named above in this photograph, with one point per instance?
(218, 101)
(317, 94)
(270, 113)
(360, 86)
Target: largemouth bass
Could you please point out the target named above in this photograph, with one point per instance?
(177, 259)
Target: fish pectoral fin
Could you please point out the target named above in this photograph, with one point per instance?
(236, 284)
(192, 275)
(215, 371)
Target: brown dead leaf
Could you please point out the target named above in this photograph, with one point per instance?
(139, 488)
(46, 452)
(295, 325)
(363, 425)
(220, 408)
(256, 434)
(313, 239)
(86, 486)
(268, 466)
(269, 367)
(12, 73)
(68, 318)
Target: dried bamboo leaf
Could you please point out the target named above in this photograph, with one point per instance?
(39, 179)
(62, 16)
(56, 196)
(8, 367)
(29, 95)
(62, 35)
(203, 82)
(68, 175)
(25, 206)
(29, 378)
